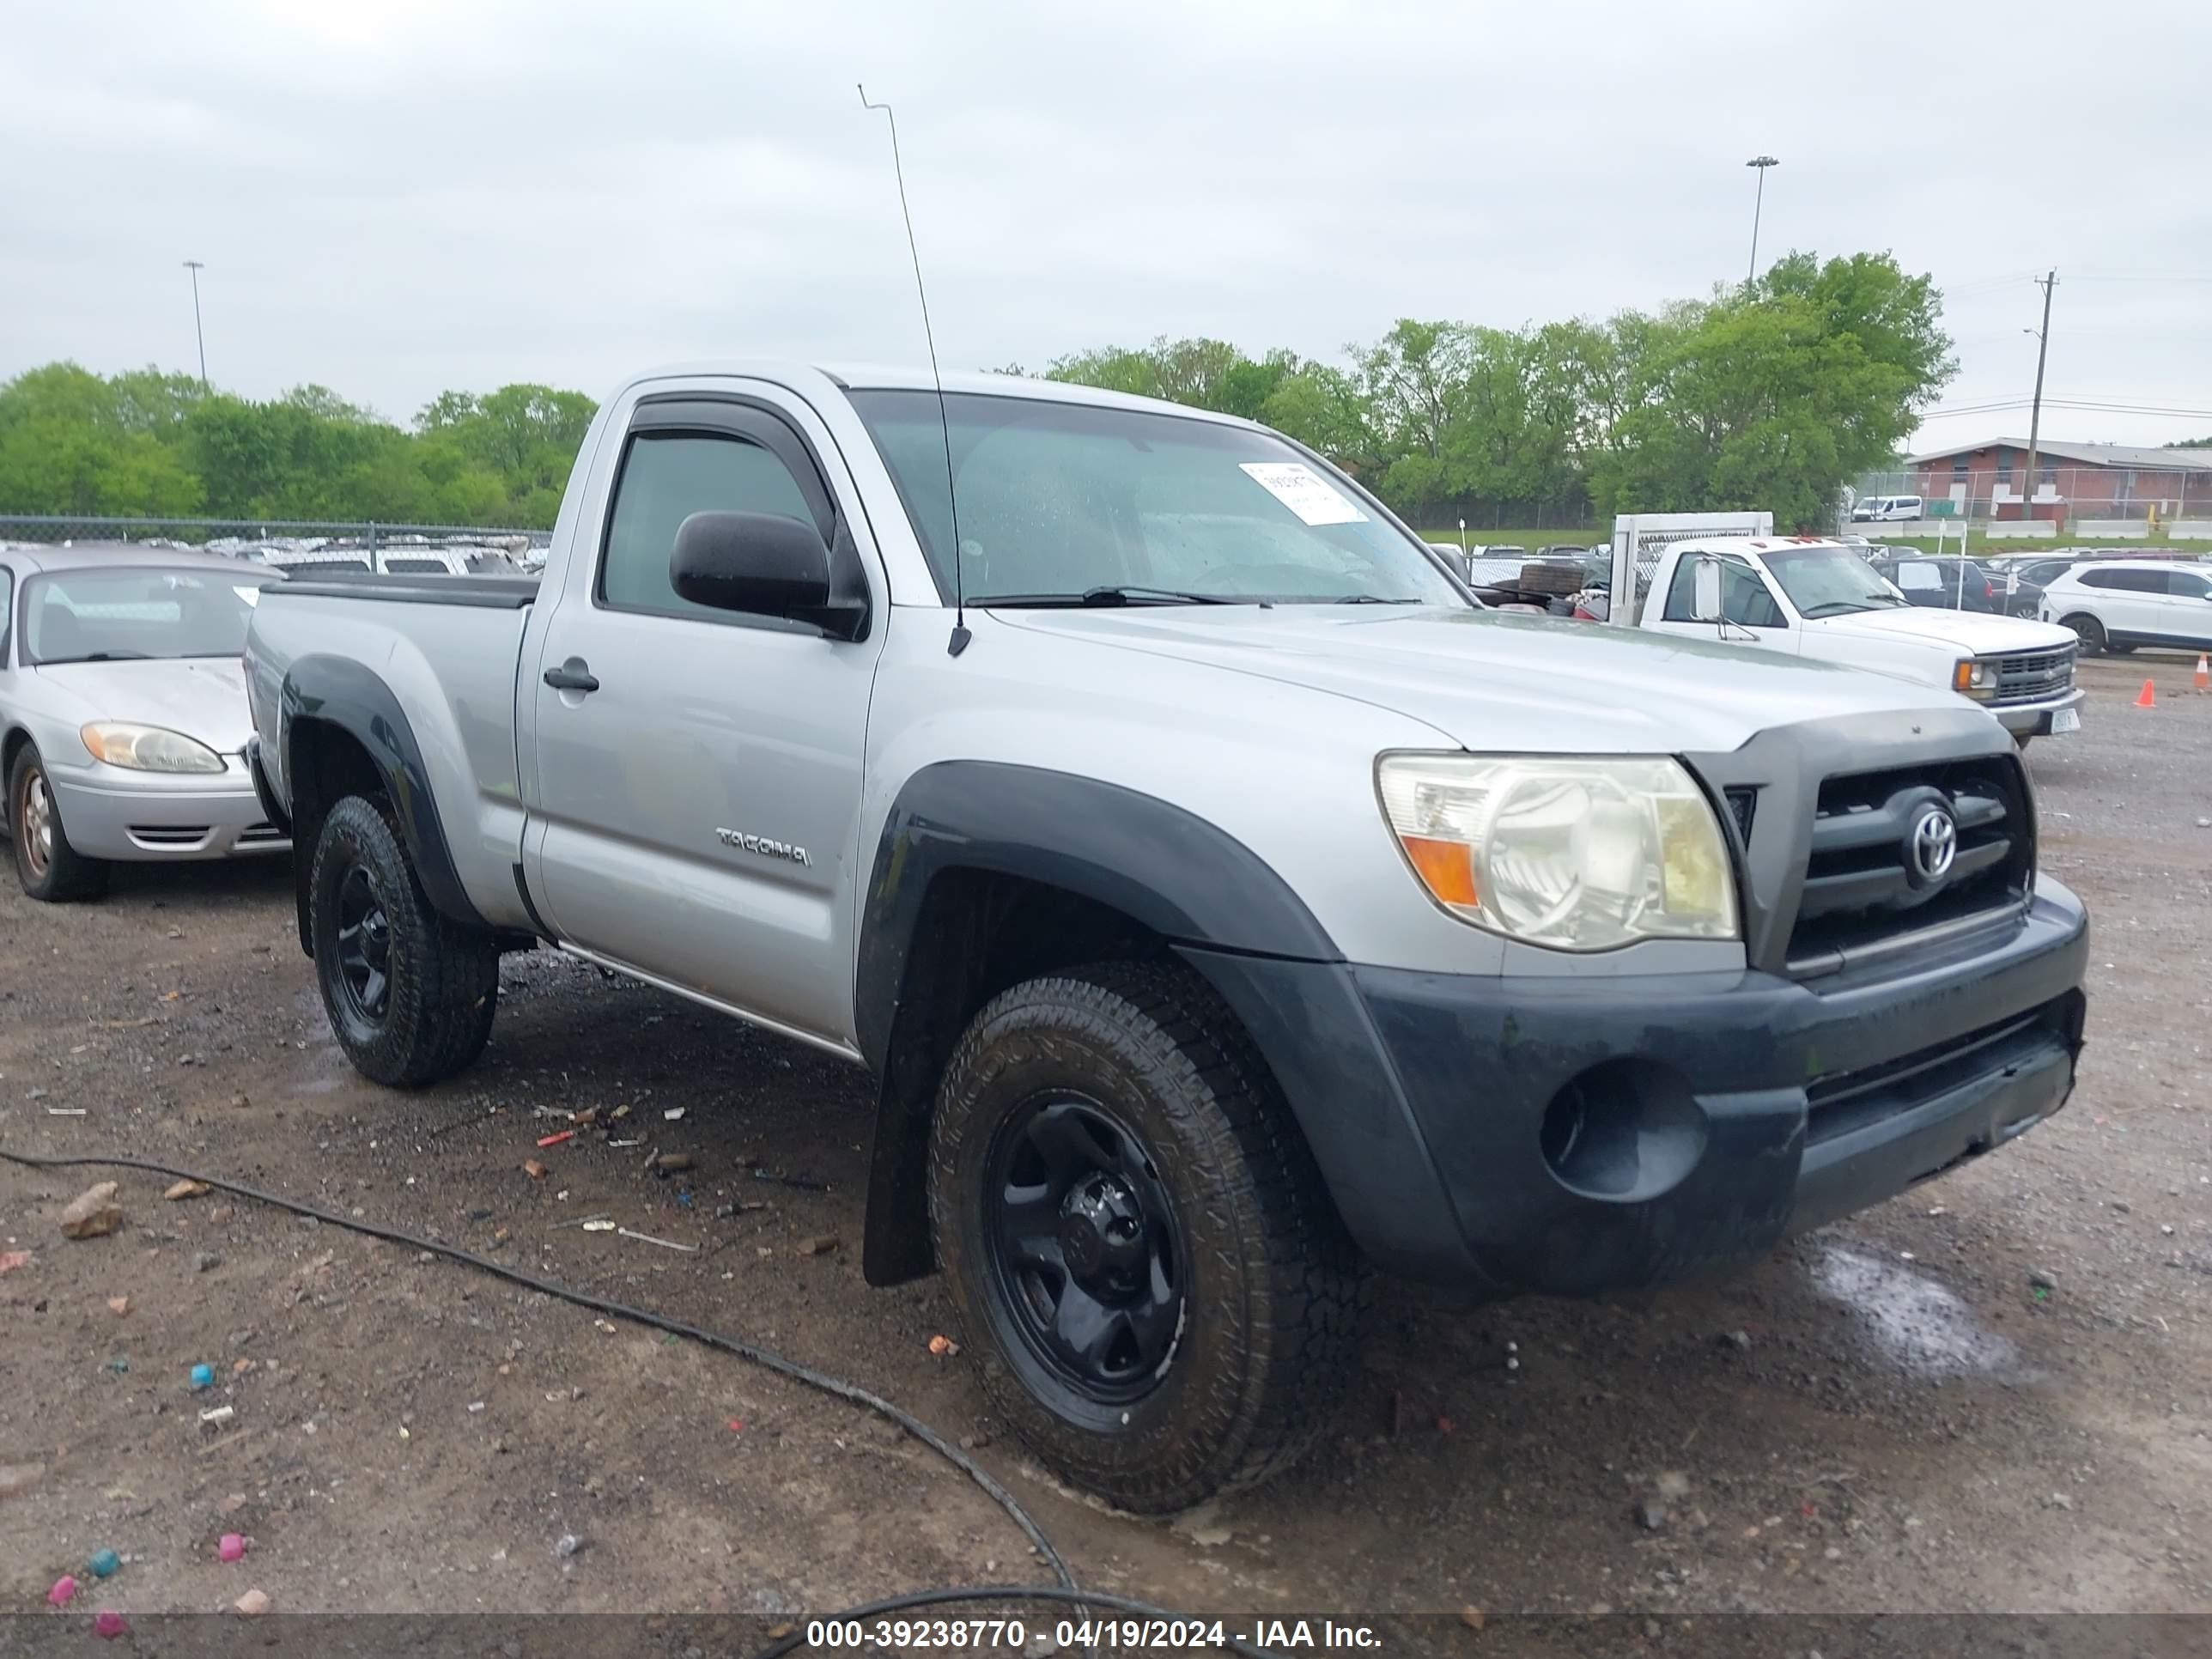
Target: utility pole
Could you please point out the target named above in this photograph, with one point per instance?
(195, 266)
(1758, 201)
(2035, 415)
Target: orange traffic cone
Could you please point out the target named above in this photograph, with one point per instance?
(2149, 697)
(2203, 672)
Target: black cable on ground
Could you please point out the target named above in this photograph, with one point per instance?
(1066, 1591)
(762, 1357)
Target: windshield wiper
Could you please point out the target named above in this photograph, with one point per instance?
(116, 656)
(1832, 606)
(1102, 598)
(1370, 598)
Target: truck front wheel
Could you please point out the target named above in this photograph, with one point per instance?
(1161, 1298)
(410, 994)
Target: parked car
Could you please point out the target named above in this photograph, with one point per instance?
(1225, 903)
(2119, 605)
(2035, 570)
(400, 559)
(1888, 509)
(123, 712)
(1956, 584)
(1816, 598)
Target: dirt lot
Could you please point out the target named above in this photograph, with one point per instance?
(1889, 1415)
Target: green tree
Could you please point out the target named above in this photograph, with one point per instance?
(70, 444)
(1771, 399)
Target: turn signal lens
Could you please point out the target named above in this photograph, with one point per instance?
(1446, 867)
(1963, 675)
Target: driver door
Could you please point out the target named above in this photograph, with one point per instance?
(1746, 604)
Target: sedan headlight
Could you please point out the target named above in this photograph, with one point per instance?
(1577, 854)
(148, 747)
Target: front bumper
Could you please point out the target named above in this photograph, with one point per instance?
(1754, 1105)
(2033, 720)
(163, 817)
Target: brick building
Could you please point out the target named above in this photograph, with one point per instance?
(1988, 480)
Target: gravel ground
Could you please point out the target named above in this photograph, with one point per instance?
(1990, 1394)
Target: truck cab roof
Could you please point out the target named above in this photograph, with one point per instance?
(879, 377)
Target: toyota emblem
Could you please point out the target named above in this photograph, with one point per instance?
(1935, 844)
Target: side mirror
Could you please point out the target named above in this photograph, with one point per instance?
(1706, 598)
(762, 564)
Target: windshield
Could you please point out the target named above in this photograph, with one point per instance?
(109, 616)
(1067, 503)
(1830, 581)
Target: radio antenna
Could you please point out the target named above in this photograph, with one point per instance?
(960, 634)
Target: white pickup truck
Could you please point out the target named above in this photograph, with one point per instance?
(1814, 598)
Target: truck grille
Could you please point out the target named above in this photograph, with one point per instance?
(2031, 677)
(1863, 883)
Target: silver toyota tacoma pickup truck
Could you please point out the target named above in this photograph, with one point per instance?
(1225, 903)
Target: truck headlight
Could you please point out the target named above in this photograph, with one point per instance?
(1970, 678)
(1577, 854)
(148, 747)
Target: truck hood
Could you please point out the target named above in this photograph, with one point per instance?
(203, 697)
(1491, 680)
(1972, 633)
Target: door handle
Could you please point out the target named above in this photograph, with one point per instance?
(574, 675)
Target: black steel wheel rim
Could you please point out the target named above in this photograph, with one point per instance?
(364, 946)
(1085, 1250)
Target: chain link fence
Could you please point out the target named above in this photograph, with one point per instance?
(2143, 500)
(291, 535)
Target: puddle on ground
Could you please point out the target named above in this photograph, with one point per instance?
(1913, 1320)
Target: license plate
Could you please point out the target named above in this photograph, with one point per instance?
(2064, 720)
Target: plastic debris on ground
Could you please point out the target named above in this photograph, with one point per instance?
(203, 1376)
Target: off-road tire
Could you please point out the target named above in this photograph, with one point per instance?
(62, 873)
(2087, 629)
(1268, 1343)
(443, 989)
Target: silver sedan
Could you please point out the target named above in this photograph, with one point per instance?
(122, 711)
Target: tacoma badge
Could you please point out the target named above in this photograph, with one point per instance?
(764, 846)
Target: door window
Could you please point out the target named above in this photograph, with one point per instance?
(2182, 586)
(6, 610)
(1919, 579)
(667, 476)
(415, 566)
(1745, 600)
(2127, 582)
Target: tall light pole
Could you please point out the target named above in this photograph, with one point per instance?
(2035, 417)
(195, 266)
(1761, 163)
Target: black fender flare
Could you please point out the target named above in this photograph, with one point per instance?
(1185, 879)
(341, 693)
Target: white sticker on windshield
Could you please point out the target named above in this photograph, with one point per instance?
(1305, 492)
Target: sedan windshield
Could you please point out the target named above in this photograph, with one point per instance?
(139, 611)
(1830, 581)
(1076, 504)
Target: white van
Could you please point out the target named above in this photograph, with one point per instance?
(1888, 509)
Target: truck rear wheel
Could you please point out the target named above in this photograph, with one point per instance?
(410, 994)
(1162, 1300)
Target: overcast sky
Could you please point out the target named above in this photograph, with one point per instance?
(396, 197)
